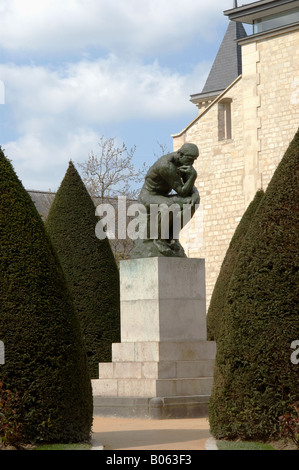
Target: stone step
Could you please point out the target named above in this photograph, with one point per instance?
(151, 387)
(156, 370)
(195, 406)
(155, 351)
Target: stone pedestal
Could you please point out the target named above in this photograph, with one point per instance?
(163, 366)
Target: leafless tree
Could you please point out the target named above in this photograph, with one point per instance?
(112, 173)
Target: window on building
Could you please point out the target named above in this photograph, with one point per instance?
(275, 21)
(225, 119)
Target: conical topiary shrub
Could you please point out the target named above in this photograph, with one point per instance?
(255, 380)
(217, 302)
(45, 360)
(89, 267)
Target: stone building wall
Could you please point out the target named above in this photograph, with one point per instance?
(278, 90)
(264, 118)
(220, 169)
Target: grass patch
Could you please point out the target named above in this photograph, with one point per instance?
(239, 445)
(79, 446)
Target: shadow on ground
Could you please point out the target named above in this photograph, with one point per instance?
(124, 434)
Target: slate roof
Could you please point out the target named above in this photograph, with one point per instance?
(227, 65)
(43, 201)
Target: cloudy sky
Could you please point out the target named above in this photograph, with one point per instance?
(72, 71)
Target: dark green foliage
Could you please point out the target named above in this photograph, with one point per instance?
(45, 360)
(289, 425)
(255, 380)
(89, 267)
(221, 287)
(10, 427)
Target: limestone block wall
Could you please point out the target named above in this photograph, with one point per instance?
(220, 169)
(264, 119)
(278, 92)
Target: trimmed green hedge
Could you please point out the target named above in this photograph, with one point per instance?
(45, 358)
(89, 267)
(255, 380)
(217, 302)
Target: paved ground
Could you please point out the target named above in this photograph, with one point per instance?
(143, 434)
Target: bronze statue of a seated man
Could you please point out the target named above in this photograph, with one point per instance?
(169, 183)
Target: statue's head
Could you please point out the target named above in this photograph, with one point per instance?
(188, 153)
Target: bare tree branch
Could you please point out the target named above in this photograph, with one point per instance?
(112, 173)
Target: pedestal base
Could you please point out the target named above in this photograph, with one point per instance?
(163, 367)
(152, 408)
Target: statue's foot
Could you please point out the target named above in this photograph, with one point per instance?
(175, 245)
(149, 248)
(163, 247)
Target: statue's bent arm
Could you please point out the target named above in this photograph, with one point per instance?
(175, 182)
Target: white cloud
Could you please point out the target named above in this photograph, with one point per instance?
(130, 26)
(94, 92)
(41, 163)
(58, 114)
(112, 75)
